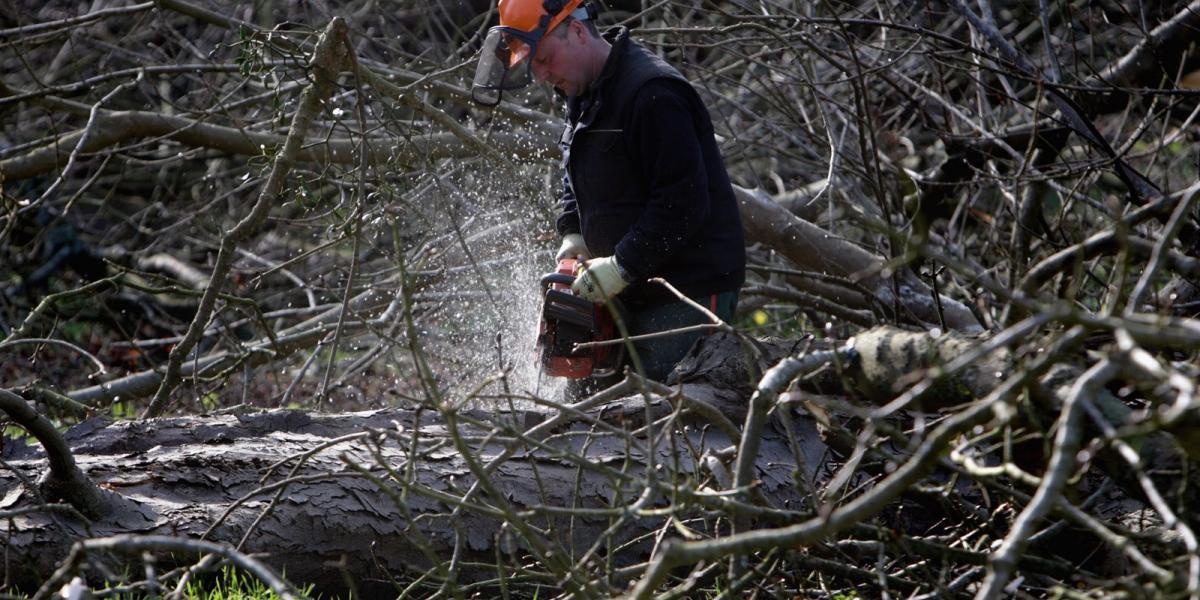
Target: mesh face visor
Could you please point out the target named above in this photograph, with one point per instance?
(503, 65)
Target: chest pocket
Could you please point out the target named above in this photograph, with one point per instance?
(607, 184)
(601, 165)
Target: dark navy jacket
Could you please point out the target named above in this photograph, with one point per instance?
(644, 180)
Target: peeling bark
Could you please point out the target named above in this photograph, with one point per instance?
(890, 360)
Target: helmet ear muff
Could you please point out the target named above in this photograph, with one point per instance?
(553, 7)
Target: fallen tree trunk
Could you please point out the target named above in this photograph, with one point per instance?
(383, 496)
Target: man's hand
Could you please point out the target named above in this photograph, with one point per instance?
(602, 278)
(572, 246)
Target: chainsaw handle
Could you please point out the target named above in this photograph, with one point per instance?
(552, 278)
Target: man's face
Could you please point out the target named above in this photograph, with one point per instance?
(558, 60)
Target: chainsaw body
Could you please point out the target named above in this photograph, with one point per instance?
(568, 320)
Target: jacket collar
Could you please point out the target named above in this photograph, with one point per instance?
(619, 38)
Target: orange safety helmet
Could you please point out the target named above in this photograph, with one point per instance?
(508, 50)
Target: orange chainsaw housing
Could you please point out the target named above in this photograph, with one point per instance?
(568, 320)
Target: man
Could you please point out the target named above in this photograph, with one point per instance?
(645, 193)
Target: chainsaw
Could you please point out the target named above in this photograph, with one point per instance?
(568, 320)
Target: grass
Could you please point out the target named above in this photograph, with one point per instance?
(231, 584)
(234, 585)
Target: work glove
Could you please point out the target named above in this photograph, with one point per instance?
(602, 278)
(572, 246)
